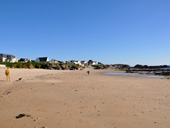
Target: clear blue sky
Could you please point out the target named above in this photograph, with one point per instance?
(110, 31)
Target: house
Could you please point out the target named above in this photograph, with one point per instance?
(8, 58)
(76, 62)
(83, 63)
(73, 62)
(42, 59)
(67, 62)
(24, 60)
(90, 62)
(95, 63)
(54, 61)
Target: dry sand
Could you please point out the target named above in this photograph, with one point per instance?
(73, 99)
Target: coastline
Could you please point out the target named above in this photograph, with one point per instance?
(72, 99)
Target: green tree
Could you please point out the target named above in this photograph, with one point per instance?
(90, 62)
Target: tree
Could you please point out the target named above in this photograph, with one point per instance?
(90, 62)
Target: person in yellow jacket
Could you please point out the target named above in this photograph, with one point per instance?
(7, 73)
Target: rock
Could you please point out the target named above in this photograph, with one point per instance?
(22, 115)
(20, 79)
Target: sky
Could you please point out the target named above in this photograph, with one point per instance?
(109, 31)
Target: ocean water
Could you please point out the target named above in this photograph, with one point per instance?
(166, 68)
(132, 74)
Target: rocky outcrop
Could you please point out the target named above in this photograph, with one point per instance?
(144, 69)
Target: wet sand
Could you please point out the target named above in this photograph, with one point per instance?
(73, 99)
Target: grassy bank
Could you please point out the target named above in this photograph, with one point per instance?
(30, 65)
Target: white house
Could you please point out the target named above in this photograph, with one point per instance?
(93, 63)
(77, 62)
(54, 61)
(83, 63)
(73, 62)
(24, 60)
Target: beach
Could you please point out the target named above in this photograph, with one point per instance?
(74, 99)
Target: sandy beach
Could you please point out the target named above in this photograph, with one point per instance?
(73, 99)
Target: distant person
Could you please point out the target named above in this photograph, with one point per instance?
(88, 72)
(7, 73)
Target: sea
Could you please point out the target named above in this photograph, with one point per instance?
(132, 74)
(168, 68)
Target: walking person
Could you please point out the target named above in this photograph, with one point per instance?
(88, 72)
(7, 73)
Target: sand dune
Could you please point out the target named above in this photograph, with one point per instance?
(73, 99)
